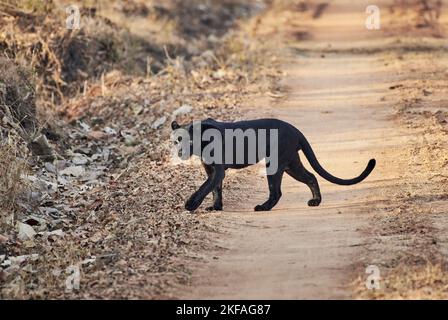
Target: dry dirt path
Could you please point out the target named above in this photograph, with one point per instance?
(336, 97)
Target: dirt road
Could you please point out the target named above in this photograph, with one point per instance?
(339, 97)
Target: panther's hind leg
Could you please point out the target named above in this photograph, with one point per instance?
(297, 171)
(275, 192)
(217, 192)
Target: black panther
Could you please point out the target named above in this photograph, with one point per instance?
(280, 153)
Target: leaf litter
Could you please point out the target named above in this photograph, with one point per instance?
(110, 201)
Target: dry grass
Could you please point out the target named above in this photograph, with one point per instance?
(18, 123)
(17, 96)
(409, 282)
(64, 59)
(12, 168)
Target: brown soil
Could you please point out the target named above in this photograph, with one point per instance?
(342, 94)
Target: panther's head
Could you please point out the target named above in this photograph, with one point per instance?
(182, 137)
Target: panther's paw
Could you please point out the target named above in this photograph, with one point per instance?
(214, 208)
(314, 202)
(192, 204)
(261, 207)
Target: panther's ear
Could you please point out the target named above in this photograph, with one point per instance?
(175, 125)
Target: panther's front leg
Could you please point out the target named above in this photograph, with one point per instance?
(275, 192)
(214, 180)
(217, 192)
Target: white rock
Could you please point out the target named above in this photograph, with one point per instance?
(159, 122)
(80, 160)
(137, 109)
(110, 131)
(20, 259)
(130, 140)
(62, 181)
(58, 233)
(50, 167)
(26, 232)
(75, 171)
(84, 126)
(185, 109)
(106, 154)
(87, 262)
(42, 184)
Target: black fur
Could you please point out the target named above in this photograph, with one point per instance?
(290, 141)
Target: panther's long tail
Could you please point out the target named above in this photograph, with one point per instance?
(309, 153)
